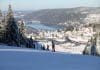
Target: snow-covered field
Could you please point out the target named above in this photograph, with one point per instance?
(29, 59)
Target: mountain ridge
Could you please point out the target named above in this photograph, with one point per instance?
(62, 15)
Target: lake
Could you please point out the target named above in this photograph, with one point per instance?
(40, 26)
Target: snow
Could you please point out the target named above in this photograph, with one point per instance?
(72, 50)
(29, 59)
(78, 39)
(66, 47)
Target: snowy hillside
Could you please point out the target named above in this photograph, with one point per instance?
(29, 59)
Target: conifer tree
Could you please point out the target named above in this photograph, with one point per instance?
(22, 33)
(22, 28)
(12, 31)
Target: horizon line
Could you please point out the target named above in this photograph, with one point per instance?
(52, 8)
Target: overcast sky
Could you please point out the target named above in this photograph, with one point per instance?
(47, 4)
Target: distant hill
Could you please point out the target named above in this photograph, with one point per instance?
(56, 16)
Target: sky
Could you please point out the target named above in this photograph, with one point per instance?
(47, 4)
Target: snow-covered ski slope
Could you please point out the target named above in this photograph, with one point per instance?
(29, 59)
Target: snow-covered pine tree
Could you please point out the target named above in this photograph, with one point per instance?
(23, 39)
(2, 28)
(22, 28)
(12, 31)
